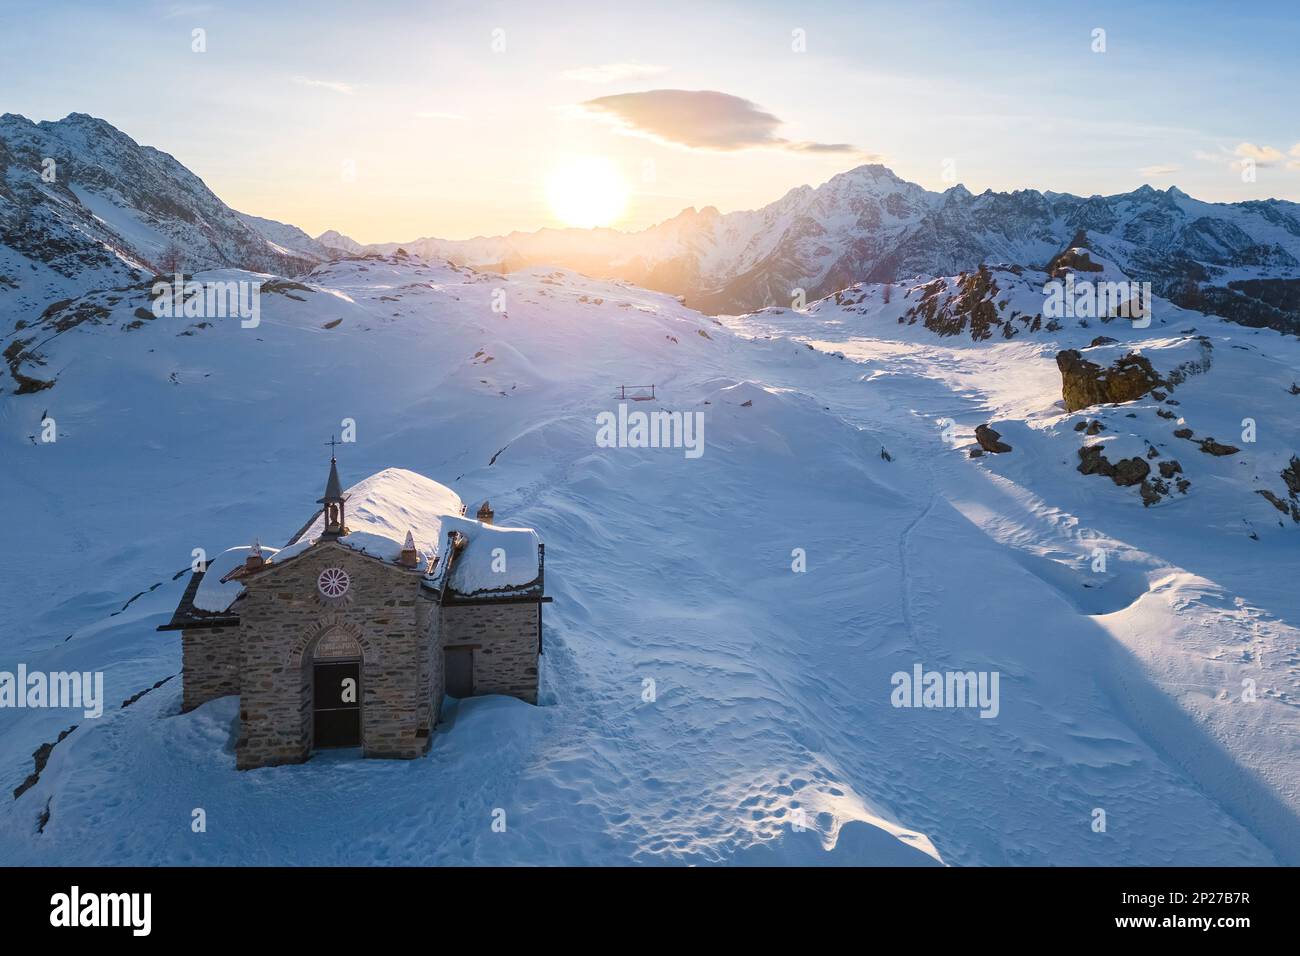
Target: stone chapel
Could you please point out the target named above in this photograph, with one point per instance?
(390, 599)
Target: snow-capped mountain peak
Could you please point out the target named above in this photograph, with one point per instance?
(83, 204)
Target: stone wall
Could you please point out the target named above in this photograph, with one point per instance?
(282, 618)
(504, 637)
(430, 690)
(210, 662)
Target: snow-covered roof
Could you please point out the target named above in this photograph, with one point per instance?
(214, 594)
(381, 511)
(493, 559)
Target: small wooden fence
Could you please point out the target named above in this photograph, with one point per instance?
(636, 393)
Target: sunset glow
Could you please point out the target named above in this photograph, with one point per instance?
(587, 191)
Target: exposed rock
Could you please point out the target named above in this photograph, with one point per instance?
(1152, 491)
(1170, 468)
(41, 756)
(1130, 471)
(1085, 383)
(14, 355)
(1102, 340)
(1291, 475)
(1218, 449)
(988, 440)
(951, 312)
(1291, 508)
(1126, 471)
(1074, 258)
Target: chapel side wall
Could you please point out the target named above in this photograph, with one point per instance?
(431, 672)
(506, 642)
(281, 618)
(209, 664)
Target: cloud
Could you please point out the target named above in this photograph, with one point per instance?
(1262, 155)
(1163, 169)
(701, 119)
(609, 72)
(434, 115)
(345, 88)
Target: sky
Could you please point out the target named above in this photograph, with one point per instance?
(398, 120)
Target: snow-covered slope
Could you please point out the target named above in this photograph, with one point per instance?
(288, 241)
(82, 205)
(336, 241)
(699, 696)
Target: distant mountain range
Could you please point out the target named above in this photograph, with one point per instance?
(869, 225)
(113, 211)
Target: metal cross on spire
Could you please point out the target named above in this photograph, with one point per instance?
(332, 443)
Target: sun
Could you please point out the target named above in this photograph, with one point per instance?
(587, 191)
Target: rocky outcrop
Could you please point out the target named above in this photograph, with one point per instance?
(1126, 471)
(1085, 383)
(1291, 504)
(1218, 449)
(971, 304)
(989, 440)
(1207, 445)
(1074, 258)
(1291, 475)
(1135, 471)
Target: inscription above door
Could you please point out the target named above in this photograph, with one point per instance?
(337, 644)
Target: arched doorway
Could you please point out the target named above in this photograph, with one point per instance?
(336, 691)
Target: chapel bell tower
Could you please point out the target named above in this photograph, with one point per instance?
(333, 501)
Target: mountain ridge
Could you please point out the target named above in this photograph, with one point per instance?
(83, 205)
(869, 224)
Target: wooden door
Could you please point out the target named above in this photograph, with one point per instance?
(460, 671)
(337, 703)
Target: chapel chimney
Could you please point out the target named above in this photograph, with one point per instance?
(409, 557)
(254, 559)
